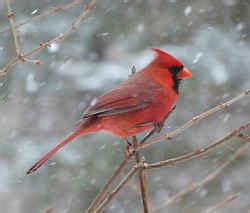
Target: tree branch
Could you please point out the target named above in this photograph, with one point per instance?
(106, 187)
(144, 191)
(221, 204)
(50, 12)
(118, 188)
(13, 28)
(191, 187)
(199, 152)
(245, 137)
(194, 120)
(16, 37)
(142, 177)
(72, 28)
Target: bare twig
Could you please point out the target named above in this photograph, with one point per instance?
(31, 61)
(106, 187)
(142, 178)
(194, 120)
(118, 188)
(245, 137)
(13, 28)
(50, 12)
(206, 180)
(199, 152)
(224, 202)
(16, 37)
(144, 191)
(72, 28)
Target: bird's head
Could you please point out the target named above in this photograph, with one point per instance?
(172, 66)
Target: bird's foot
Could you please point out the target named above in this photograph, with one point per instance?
(129, 149)
(133, 71)
(158, 126)
(128, 142)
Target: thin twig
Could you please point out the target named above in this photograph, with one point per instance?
(31, 61)
(142, 178)
(50, 12)
(222, 203)
(244, 137)
(13, 28)
(72, 28)
(144, 191)
(206, 180)
(106, 187)
(118, 188)
(199, 152)
(194, 120)
(16, 37)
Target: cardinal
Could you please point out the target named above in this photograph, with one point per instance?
(138, 104)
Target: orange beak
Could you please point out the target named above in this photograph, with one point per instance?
(185, 73)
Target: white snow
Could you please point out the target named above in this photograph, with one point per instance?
(34, 11)
(104, 34)
(31, 84)
(197, 57)
(219, 74)
(240, 26)
(54, 47)
(140, 28)
(188, 10)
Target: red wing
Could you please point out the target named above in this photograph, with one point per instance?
(119, 100)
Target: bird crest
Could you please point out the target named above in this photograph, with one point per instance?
(165, 59)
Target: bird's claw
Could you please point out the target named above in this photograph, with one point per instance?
(159, 126)
(129, 148)
(129, 151)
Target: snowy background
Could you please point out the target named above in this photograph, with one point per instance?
(41, 104)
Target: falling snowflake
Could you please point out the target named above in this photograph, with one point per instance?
(31, 84)
(197, 57)
(53, 48)
(34, 11)
(188, 10)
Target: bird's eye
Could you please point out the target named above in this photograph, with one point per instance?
(175, 69)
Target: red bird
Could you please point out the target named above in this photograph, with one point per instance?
(136, 105)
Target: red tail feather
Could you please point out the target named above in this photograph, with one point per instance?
(53, 151)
